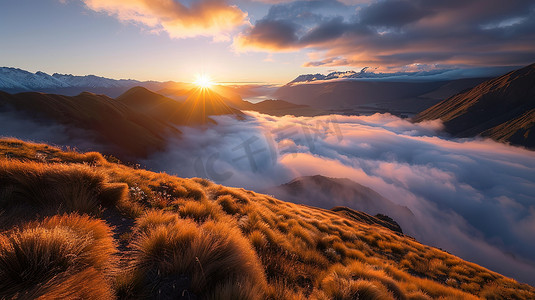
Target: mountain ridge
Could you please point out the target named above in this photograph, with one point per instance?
(501, 108)
(107, 118)
(15, 78)
(326, 192)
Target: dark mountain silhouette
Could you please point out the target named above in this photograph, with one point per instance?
(328, 192)
(167, 108)
(413, 96)
(148, 102)
(132, 134)
(200, 105)
(502, 108)
(231, 96)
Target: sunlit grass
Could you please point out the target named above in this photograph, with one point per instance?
(67, 256)
(193, 236)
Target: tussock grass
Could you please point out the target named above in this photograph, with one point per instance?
(64, 256)
(199, 211)
(100, 246)
(213, 257)
(194, 237)
(155, 218)
(230, 205)
(359, 281)
(12, 148)
(30, 188)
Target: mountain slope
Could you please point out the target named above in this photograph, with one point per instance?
(347, 94)
(117, 232)
(328, 192)
(373, 95)
(148, 102)
(500, 108)
(131, 134)
(200, 105)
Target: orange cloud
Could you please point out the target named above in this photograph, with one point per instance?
(214, 18)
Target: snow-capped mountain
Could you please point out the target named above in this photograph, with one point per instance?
(12, 78)
(365, 73)
(17, 80)
(93, 81)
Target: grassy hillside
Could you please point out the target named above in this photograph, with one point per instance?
(328, 192)
(79, 226)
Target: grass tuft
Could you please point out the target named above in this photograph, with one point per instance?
(201, 259)
(30, 188)
(62, 256)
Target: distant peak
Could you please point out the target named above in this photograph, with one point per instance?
(87, 94)
(139, 89)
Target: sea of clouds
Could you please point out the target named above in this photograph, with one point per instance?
(472, 197)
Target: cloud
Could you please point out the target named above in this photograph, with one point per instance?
(213, 18)
(23, 126)
(393, 13)
(391, 34)
(472, 197)
(267, 34)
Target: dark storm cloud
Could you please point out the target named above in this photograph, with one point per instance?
(395, 13)
(395, 33)
(330, 29)
(274, 34)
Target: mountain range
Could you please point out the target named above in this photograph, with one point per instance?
(309, 98)
(364, 73)
(502, 108)
(14, 80)
(104, 119)
(149, 119)
(368, 97)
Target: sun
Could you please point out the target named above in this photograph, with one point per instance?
(203, 81)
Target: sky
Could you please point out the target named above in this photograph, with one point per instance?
(264, 40)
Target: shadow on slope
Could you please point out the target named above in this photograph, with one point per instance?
(130, 134)
(502, 108)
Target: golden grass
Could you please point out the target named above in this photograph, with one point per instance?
(64, 256)
(197, 238)
(100, 247)
(29, 188)
(214, 257)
